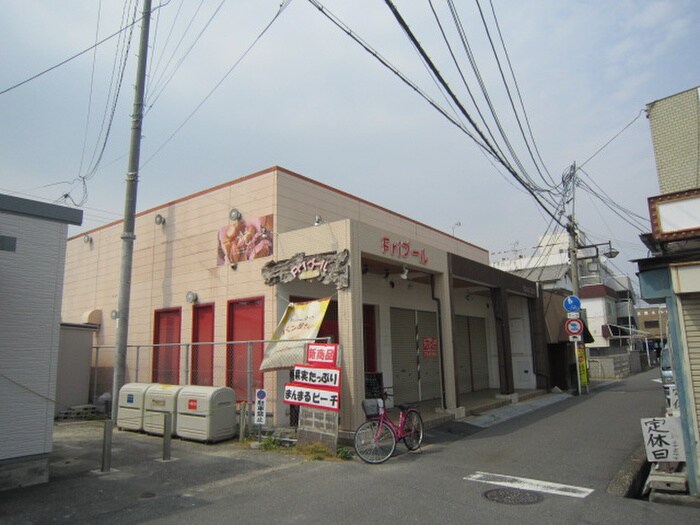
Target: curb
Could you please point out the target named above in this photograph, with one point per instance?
(629, 480)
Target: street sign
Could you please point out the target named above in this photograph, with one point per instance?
(572, 303)
(260, 406)
(574, 326)
(575, 338)
(573, 315)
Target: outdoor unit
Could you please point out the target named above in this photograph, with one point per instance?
(160, 399)
(132, 398)
(206, 413)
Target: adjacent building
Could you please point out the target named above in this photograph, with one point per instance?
(413, 308)
(671, 277)
(32, 255)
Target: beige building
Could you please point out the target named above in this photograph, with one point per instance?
(412, 308)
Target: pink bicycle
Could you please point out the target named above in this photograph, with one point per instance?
(375, 439)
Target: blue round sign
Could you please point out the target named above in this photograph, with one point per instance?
(261, 394)
(572, 303)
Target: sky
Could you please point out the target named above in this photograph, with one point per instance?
(308, 98)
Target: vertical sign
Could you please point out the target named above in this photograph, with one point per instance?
(260, 406)
(663, 439)
(582, 368)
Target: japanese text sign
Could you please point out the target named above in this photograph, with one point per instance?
(322, 354)
(326, 377)
(298, 394)
(260, 406)
(430, 347)
(663, 439)
(403, 250)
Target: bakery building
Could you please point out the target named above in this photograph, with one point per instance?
(412, 308)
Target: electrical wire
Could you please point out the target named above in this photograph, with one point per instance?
(612, 139)
(73, 57)
(282, 7)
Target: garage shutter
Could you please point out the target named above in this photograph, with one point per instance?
(479, 351)
(403, 355)
(691, 321)
(462, 357)
(430, 364)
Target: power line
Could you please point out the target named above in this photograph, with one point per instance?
(81, 53)
(612, 139)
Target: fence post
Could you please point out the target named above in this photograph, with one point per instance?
(167, 434)
(138, 361)
(249, 390)
(94, 378)
(107, 445)
(187, 363)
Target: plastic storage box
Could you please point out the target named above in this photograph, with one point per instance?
(132, 397)
(159, 400)
(206, 413)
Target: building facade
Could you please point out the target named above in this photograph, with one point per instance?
(671, 277)
(411, 307)
(32, 255)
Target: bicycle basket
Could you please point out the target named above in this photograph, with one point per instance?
(372, 406)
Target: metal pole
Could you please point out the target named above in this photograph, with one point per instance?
(130, 210)
(249, 390)
(138, 361)
(107, 445)
(167, 434)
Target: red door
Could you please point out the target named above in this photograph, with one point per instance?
(245, 324)
(166, 359)
(202, 353)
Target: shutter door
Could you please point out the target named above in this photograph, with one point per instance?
(691, 321)
(462, 354)
(430, 364)
(403, 355)
(479, 353)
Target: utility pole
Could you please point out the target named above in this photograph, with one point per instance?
(573, 262)
(128, 236)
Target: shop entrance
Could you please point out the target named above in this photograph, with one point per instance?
(471, 354)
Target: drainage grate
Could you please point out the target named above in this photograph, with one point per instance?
(513, 496)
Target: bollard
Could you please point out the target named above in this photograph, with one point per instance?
(107, 445)
(167, 434)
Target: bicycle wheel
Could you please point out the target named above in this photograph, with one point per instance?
(413, 430)
(372, 446)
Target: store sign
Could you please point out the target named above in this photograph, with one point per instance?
(300, 321)
(314, 397)
(403, 250)
(581, 360)
(322, 354)
(317, 376)
(327, 268)
(430, 347)
(663, 439)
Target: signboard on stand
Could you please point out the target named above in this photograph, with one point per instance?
(315, 388)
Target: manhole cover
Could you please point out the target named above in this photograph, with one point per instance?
(513, 496)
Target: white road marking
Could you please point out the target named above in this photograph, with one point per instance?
(530, 484)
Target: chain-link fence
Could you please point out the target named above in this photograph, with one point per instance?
(235, 364)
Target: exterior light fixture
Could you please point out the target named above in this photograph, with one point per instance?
(318, 220)
(114, 314)
(404, 273)
(87, 239)
(234, 214)
(160, 220)
(191, 297)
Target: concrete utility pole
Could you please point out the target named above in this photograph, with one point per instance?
(128, 236)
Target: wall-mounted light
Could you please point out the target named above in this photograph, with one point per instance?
(404, 273)
(318, 220)
(114, 314)
(160, 220)
(87, 239)
(234, 266)
(234, 214)
(191, 297)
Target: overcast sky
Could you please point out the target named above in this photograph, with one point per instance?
(310, 99)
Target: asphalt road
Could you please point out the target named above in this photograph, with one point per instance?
(580, 442)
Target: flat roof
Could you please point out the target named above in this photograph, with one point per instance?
(40, 210)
